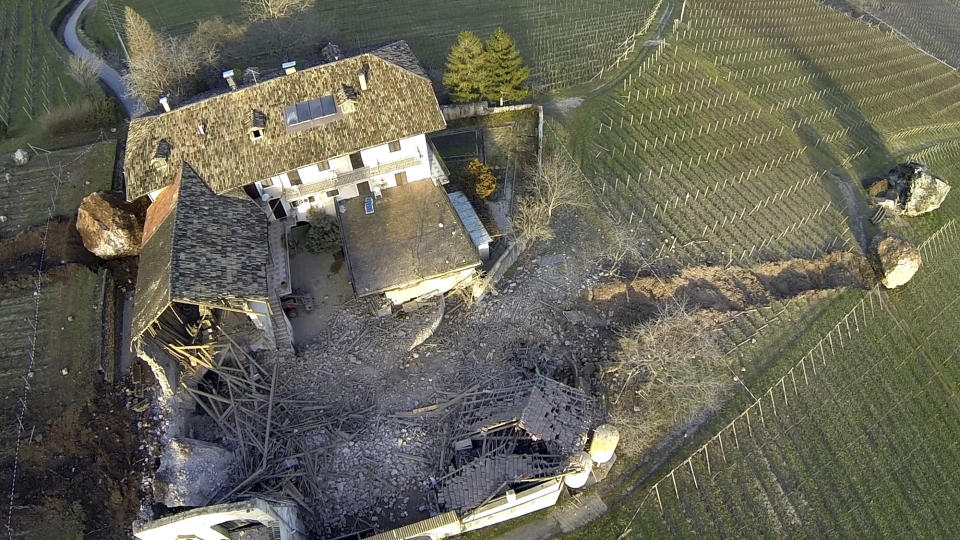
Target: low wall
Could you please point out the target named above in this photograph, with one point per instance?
(478, 108)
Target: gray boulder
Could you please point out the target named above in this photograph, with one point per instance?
(925, 193)
(894, 258)
(21, 157)
(108, 226)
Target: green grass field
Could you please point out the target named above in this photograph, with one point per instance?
(32, 78)
(566, 42)
(931, 24)
(858, 438)
(82, 170)
(745, 140)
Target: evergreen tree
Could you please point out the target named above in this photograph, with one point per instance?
(465, 68)
(505, 72)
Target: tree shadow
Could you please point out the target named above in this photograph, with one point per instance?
(843, 188)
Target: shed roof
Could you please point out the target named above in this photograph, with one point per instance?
(471, 221)
(399, 102)
(199, 248)
(412, 235)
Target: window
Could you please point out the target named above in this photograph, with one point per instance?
(323, 165)
(266, 182)
(256, 133)
(356, 160)
(309, 110)
(311, 199)
(332, 193)
(401, 178)
(394, 146)
(294, 177)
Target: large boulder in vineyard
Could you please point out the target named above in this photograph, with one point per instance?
(894, 258)
(109, 226)
(925, 193)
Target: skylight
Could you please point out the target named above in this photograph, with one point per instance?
(310, 110)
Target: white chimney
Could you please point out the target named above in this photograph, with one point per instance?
(165, 103)
(228, 75)
(289, 68)
(362, 76)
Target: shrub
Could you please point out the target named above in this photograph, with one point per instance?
(86, 115)
(484, 181)
(669, 371)
(324, 232)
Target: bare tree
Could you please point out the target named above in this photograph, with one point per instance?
(260, 10)
(554, 183)
(668, 371)
(163, 64)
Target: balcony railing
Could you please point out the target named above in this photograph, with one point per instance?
(351, 177)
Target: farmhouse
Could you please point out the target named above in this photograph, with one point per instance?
(346, 138)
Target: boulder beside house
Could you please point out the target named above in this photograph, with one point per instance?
(203, 266)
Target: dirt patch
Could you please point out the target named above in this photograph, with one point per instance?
(734, 288)
(64, 245)
(79, 476)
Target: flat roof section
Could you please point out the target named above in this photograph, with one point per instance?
(412, 235)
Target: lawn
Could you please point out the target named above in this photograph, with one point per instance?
(566, 42)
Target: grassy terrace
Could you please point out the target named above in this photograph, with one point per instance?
(859, 438)
(744, 140)
(32, 77)
(931, 24)
(566, 42)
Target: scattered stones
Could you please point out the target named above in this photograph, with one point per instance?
(108, 226)
(895, 259)
(21, 157)
(191, 472)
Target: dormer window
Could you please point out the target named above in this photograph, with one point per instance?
(308, 111)
(161, 157)
(258, 122)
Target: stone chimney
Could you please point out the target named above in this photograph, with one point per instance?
(289, 68)
(228, 75)
(165, 103)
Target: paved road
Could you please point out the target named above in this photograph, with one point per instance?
(108, 75)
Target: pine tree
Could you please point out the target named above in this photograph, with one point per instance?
(505, 72)
(465, 68)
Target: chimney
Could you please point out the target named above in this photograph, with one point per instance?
(165, 103)
(364, 76)
(289, 68)
(228, 75)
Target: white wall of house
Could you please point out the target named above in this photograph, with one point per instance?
(410, 147)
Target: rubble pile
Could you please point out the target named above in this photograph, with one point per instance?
(909, 189)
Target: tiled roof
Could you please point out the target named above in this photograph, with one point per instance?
(207, 250)
(399, 102)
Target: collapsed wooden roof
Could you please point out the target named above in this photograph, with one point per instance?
(200, 249)
(213, 132)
